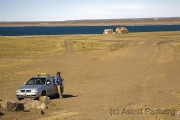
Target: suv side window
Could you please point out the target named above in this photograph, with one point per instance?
(53, 79)
(49, 80)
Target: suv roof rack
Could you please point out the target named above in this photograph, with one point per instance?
(43, 74)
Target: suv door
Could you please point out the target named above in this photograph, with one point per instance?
(51, 89)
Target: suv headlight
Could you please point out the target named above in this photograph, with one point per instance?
(34, 90)
(18, 90)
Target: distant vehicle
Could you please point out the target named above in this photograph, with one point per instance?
(41, 85)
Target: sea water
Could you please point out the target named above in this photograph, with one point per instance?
(61, 30)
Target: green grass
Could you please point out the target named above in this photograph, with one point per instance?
(30, 45)
(22, 51)
(85, 46)
(49, 45)
(100, 42)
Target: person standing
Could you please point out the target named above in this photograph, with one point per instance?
(58, 83)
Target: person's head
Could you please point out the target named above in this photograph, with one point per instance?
(58, 73)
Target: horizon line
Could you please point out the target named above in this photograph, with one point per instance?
(94, 19)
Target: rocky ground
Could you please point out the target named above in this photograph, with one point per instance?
(137, 79)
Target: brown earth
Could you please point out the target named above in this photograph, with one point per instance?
(133, 74)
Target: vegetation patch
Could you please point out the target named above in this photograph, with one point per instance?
(19, 53)
(30, 45)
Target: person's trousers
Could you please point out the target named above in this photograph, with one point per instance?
(59, 91)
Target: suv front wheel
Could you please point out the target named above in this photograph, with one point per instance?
(43, 93)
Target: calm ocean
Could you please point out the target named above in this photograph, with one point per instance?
(60, 30)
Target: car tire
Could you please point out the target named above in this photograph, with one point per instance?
(57, 95)
(20, 99)
(43, 93)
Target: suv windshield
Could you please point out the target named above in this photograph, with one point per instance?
(36, 81)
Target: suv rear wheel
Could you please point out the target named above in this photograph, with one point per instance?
(43, 93)
(57, 95)
(20, 99)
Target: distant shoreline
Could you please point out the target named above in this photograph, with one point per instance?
(105, 22)
(83, 25)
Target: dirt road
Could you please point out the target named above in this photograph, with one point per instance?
(99, 86)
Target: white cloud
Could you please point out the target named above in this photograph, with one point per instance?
(123, 11)
(111, 11)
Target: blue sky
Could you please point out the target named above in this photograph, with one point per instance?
(60, 10)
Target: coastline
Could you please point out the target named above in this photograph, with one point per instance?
(105, 22)
(83, 25)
